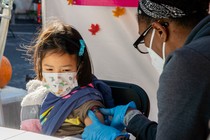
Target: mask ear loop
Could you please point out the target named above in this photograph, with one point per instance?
(152, 37)
(163, 51)
(163, 47)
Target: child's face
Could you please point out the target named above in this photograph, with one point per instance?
(59, 63)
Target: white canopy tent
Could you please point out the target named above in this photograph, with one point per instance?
(111, 50)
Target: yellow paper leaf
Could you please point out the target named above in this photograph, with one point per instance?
(119, 11)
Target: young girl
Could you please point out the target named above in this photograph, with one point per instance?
(65, 88)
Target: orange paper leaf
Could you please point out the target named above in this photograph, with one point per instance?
(70, 2)
(118, 11)
(94, 29)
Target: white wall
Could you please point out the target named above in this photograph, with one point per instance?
(111, 50)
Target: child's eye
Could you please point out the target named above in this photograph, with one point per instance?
(49, 69)
(66, 70)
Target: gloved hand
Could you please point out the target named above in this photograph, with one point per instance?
(118, 114)
(99, 131)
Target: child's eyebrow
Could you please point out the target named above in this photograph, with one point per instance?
(68, 65)
(48, 65)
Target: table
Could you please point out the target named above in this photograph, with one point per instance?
(10, 98)
(15, 134)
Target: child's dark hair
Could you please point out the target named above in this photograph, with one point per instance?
(57, 37)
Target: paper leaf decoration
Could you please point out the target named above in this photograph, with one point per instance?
(94, 29)
(118, 11)
(122, 3)
(70, 2)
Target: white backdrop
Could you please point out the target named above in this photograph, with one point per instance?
(111, 50)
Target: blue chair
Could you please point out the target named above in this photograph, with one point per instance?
(123, 93)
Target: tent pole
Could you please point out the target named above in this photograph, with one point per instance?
(4, 25)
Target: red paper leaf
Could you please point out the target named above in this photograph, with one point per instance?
(94, 29)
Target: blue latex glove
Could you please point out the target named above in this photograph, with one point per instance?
(99, 131)
(118, 114)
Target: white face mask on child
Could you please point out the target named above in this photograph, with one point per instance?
(157, 61)
(60, 84)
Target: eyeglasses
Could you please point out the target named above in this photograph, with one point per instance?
(140, 40)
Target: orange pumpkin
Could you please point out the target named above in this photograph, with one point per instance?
(5, 72)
